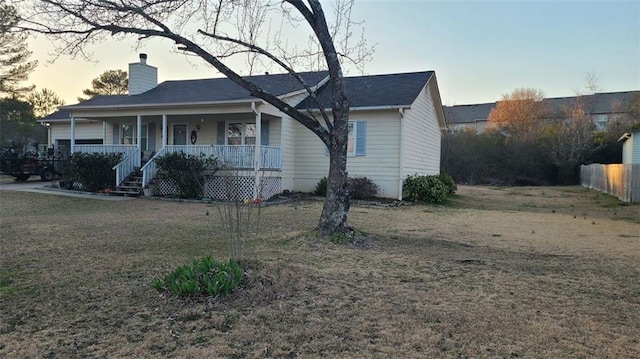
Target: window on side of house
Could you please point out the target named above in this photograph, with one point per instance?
(351, 142)
(357, 139)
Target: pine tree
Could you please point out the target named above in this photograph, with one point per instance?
(14, 55)
(110, 82)
(44, 102)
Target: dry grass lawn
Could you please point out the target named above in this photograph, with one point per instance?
(494, 273)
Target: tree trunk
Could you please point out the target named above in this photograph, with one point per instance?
(336, 204)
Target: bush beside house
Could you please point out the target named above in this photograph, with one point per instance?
(92, 171)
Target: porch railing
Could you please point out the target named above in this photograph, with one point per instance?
(237, 157)
(150, 168)
(127, 165)
(124, 149)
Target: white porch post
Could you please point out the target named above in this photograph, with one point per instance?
(104, 132)
(73, 135)
(164, 130)
(256, 186)
(139, 132)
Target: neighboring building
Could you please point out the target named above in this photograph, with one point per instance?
(630, 148)
(395, 119)
(468, 117)
(601, 106)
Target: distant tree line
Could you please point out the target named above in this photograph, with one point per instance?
(525, 144)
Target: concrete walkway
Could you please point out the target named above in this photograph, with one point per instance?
(40, 187)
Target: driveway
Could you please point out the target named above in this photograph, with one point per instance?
(11, 185)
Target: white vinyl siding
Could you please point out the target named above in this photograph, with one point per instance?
(631, 149)
(636, 147)
(381, 162)
(422, 137)
(84, 131)
(287, 138)
(274, 132)
(142, 78)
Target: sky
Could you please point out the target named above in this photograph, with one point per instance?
(479, 50)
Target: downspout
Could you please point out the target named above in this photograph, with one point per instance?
(401, 164)
(256, 155)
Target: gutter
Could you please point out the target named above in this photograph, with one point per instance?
(365, 108)
(624, 137)
(156, 105)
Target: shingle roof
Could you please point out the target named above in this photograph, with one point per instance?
(376, 90)
(58, 115)
(599, 103)
(205, 91)
(467, 113)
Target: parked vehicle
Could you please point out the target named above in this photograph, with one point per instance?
(25, 162)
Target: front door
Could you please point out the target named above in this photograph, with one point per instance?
(180, 135)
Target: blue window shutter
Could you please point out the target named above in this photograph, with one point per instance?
(361, 138)
(221, 132)
(151, 136)
(264, 135)
(116, 134)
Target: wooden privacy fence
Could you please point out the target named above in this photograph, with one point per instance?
(622, 181)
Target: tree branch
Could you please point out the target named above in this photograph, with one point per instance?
(290, 70)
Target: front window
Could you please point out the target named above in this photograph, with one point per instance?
(126, 137)
(241, 133)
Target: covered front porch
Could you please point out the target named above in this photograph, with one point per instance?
(247, 143)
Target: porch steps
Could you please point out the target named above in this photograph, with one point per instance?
(131, 186)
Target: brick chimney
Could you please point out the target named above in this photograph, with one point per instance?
(142, 77)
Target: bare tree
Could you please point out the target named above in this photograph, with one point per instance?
(519, 113)
(572, 140)
(622, 118)
(212, 30)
